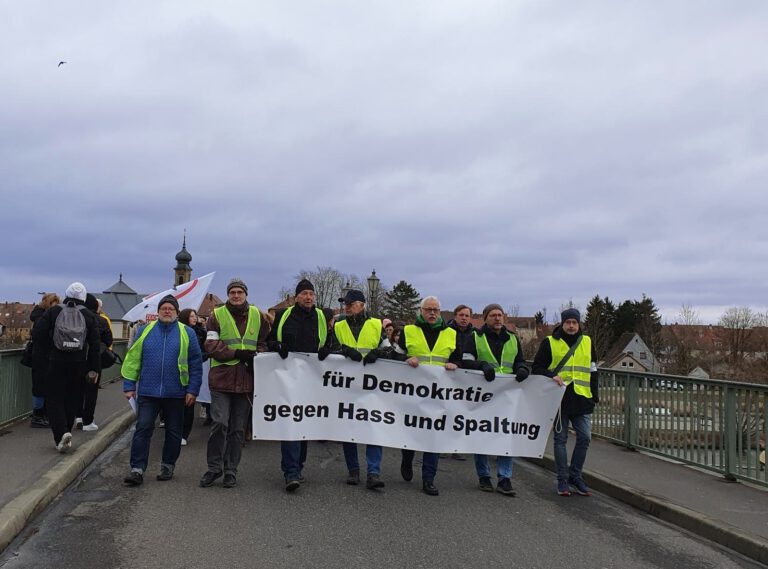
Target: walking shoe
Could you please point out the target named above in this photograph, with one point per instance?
(485, 484)
(353, 478)
(456, 456)
(581, 488)
(166, 473)
(39, 422)
(134, 478)
(209, 478)
(429, 488)
(505, 487)
(91, 427)
(229, 480)
(78, 422)
(161, 425)
(183, 442)
(292, 484)
(406, 469)
(65, 443)
(301, 478)
(562, 488)
(373, 482)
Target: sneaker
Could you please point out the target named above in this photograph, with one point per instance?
(183, 442)
(166, 473)
(78, 423)
(353, 479)
(301, 478)
(65, 443)
(562, 488)
(373, 482)
(161, 425)
(134, 478)
(485, 484)
(230, 481)
(406, 469)
(209, 478)
(581, 488)
(505, 487)
(292, 484)
(39, 422)
(429, 488)
(90, 427)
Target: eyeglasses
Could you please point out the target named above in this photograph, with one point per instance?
(432, 310)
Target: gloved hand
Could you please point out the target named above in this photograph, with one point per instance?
(352, 354)
(488, 371)
(522, 373)
(370, 357)
(245, 355)
(323, 352)
(282, 349)
(596, 398)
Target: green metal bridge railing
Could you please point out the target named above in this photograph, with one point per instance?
(721, 426)
(16, 383)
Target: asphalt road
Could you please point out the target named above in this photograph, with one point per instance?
(99, 524)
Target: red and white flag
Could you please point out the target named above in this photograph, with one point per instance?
(189, 295)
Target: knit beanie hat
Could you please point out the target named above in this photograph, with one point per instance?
(304, 284)
(570, 313)
(91, 303)
(76, 291)
(490, 307)
(236, 282)
(168, 299)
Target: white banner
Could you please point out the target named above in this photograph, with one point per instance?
(391, 404)
(189, 295)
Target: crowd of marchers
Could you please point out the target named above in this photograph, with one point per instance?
(163, 373)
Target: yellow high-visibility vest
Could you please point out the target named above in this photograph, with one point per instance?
(369, 338)
(508, 353)
(416, 345)
(322, 326)
(132, 362)
(230, 335)
(578, 368)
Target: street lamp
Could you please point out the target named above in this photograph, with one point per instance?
(373, 293)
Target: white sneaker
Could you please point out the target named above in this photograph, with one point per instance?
(78, 423)
(65, 444)
(91, 427)
(183, 442)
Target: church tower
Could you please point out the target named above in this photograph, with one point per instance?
(182, 271)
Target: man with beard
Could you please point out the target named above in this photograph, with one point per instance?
(568, 357)
(298, 328)
(494, 349)
(236, 331)
(163, 370)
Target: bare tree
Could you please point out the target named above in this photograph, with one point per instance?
(738, 324)
(688, 316)
(327, 282)
(513, 310)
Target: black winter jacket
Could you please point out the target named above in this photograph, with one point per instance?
(463, 337)
(299, 331)
(42, 334)
(496, 343)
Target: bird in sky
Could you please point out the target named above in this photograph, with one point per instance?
(61, 63)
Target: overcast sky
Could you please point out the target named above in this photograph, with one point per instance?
(524, 153)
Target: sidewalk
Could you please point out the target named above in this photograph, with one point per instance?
(34, 473)
(734, 514)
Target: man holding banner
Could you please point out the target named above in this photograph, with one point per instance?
(430, 342)
(494, 349)
(235, 332)
(359, 336)
(299, 328)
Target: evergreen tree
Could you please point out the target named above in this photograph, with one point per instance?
(648, 323)
(402, 302)
(599, 324)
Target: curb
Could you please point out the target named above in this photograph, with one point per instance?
(15, 515)
(700, 524)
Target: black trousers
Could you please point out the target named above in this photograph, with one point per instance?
(65, 385)
(90, 395)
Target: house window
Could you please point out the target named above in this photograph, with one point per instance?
(630, 353)
(623, 364)
(631, 364)
(643, 355)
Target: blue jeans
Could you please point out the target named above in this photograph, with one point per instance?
(149, 407)
(373, 455)
(503, 466)
(294, 455)
(582, 424)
